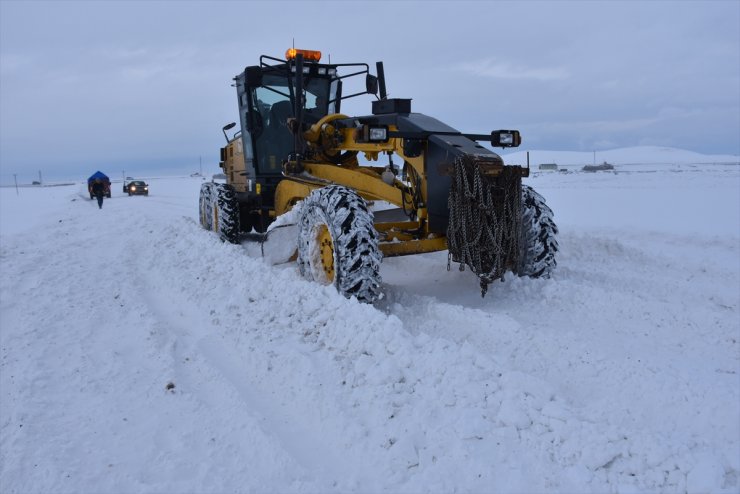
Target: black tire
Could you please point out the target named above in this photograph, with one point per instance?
(219, 211)
(226, 208)
(205, 205)
(537, 243)
(338, 243)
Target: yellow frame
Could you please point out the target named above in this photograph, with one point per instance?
(367, 181)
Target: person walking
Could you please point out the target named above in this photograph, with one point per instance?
(98, 191)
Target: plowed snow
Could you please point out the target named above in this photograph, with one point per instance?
(619, 374)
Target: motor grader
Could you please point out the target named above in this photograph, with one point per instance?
(340, 192)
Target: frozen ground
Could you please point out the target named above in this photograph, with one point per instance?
(138, 353)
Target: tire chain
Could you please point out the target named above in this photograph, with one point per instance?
(224, 199)
(350, 224)
(539, 231)
(221, 199)
(484, 220)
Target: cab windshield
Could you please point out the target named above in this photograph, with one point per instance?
(272, 102)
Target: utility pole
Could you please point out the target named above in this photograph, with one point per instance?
(200, 163)
(15, 178)
(40, 182)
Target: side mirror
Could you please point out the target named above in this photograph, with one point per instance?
(371, 84)
(228, 127)
(505, 138)
(254, 76)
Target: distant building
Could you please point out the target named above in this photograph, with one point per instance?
(598, 168)
(548, 166)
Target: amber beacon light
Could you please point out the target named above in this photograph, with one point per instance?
(312, 55)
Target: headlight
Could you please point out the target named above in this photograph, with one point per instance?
(378, 134)
(133, 187)
(372, 133)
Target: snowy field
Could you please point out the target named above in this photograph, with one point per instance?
(141, 354)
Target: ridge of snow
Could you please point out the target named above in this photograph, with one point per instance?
(637, 155)
(140, 353)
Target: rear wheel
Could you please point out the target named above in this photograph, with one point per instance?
(226, 209)
(219, 211)
(338, 244)
(205, 206)
(537, 243)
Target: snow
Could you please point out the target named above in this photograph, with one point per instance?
(619, 374)
(633, 158)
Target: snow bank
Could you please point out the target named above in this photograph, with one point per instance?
(140, 353)
(649, 157)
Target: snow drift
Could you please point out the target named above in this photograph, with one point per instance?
(140, 353)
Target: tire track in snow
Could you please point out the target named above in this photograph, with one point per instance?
(70, 302)
(196, 334)
(178, 334)
(539, 376)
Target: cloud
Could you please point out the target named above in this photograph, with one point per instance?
(158, 79)
(12, 63)
(504, 70)
(600, 144)
(600, 126)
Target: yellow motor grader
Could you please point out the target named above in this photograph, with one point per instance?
(294, 175)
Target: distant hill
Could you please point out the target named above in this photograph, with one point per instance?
(639, 155)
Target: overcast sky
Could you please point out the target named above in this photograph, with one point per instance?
(137, 85)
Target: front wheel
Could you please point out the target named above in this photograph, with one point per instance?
(338, 244)
(537, 242)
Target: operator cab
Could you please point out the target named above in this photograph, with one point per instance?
(273, 105)
(270, 118)
(267, 99)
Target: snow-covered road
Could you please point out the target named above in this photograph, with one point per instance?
(138, 353)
